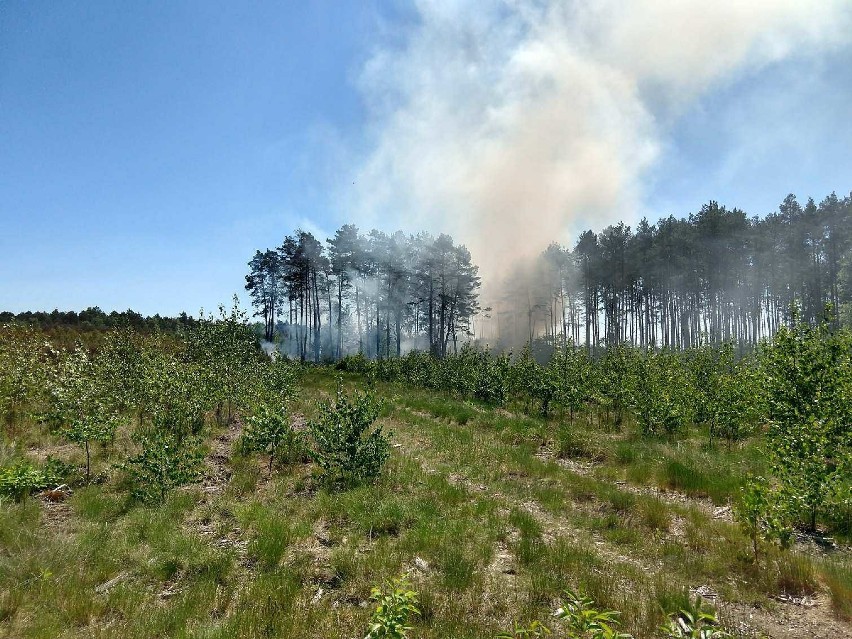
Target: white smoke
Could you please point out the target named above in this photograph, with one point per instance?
(507, 123)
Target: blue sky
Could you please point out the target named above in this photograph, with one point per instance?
(782, 130)
(147, 149)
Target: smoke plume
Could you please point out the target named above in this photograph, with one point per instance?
(510, 123)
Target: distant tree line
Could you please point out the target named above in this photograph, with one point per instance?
(93, 319)
(373, 293)
(712, 277)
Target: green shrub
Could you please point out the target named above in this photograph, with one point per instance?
(658, 395)
(696, 620)
(21, 479)
(165, 462)
(57, 471)
(270, 432)
(344, 447)
(808, 377)
(357, 363)
(761, 514)
(585, 620)
(393, 608)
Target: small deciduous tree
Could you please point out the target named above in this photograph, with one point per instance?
(227, 355)
(808, 377)
(164, 462)
(761, 513)
(393, 609)
(79, 407)
(87, 429)
(657, 398)
(735, 408)
(344, 447)
(270, 432)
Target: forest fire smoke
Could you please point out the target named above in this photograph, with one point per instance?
(512, 124)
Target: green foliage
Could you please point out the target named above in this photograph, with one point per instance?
(394, 606)
(270, 432)
(704, 365)
(572, 371)
(529, 379)
(585, 621)
(344, 447)
(81, 406)
(228, 360)
(762, 515)
(735, 408)
(808, 379)
(619, 381)
(164, 462)
(492, 382)
(357, 363)
(56, 471)
(696, 621)
(19, 369)
(90, 429)
(658, 397)
(21, 479)
(724, 394)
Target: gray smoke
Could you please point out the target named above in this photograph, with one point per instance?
(510, 123)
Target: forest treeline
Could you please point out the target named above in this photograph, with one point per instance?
(373, 293)
(94, 319)
(712, 277)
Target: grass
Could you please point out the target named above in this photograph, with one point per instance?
(487, 510)
(838, 578)
(796, 575)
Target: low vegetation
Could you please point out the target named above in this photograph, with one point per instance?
(186, 485)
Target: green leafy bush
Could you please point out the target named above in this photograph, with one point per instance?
(739, 405)
(658, 395)
(57, 471)
(270, 432)
(357, 363)
(164, 462)
(81, 407)
(393, 609)
(584, 619)
(344, 446)
(762, 515)
(21, 479)
(808, 381)
(697, 620)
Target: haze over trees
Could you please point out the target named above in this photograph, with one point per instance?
(377, 294)
(714, 276)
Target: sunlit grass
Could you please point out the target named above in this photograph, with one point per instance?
(492, 513)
